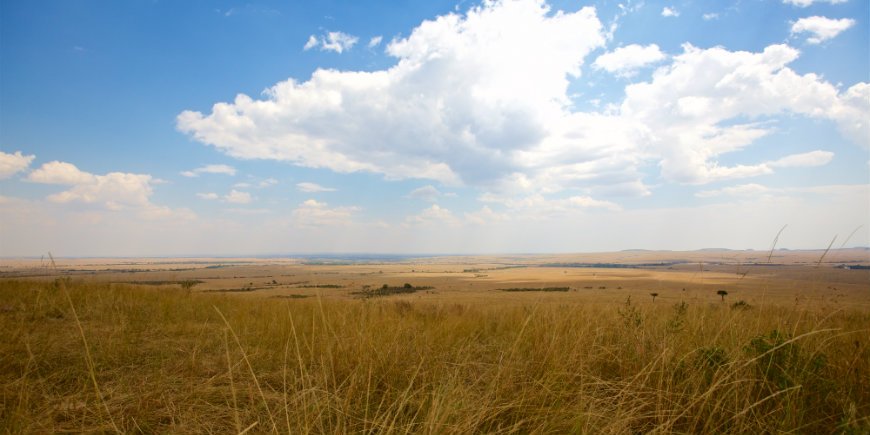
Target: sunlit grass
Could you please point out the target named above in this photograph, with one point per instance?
(164, 360)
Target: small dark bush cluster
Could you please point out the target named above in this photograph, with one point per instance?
(386, 290)
(741, 305)
(189, 283)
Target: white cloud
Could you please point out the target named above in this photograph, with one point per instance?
(60, 173)
(433, 215)
(210, 169)
(688, 103)
(116, 191)
(238, 197)
(426, 193)
(463, 99)
(810, 159)
(267, 183)
(627, 7)
(625, 61)
(481, 99)
(338, 42)
(805, 3)
(248, 211)
(313, 188)
(11, 164)
(670, 12)
(746, 190)
(538, 206)
(757, 191)
(311, 43)
(821, 28)
(485, 216)
(312, 213)
(233, 197)
(375, 41)
(710, 16)
(803, 160)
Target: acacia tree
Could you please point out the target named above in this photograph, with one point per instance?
(722, 293)
(654, 296)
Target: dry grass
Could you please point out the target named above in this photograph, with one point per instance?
(158, 359)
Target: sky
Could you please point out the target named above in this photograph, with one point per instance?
(208, 127)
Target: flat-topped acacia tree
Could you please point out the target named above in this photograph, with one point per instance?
(722, 293)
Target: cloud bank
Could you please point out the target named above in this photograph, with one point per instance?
(481, 99)
(114, 191)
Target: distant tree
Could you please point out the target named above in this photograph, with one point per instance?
(722, 293)
(385, 287)
(408, 285)
(654, 296)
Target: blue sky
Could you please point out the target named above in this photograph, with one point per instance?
(237, 128)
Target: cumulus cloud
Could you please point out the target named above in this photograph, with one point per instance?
(238, 197)
(375, 41)
(688, 103)
(627, 60)
(481, 99)
(11, 164)
(805, 3)
(60, 173)
(114, 191)
(485, 216)
(821, 28)
(426, 193)
(313, 188)
(233, 197)
(338, 42)
(267, 183)
(670, 12)
(210, 169)
(312, 213)
(433, 215)
(463, 97)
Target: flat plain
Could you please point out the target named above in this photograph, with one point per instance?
(710, 341)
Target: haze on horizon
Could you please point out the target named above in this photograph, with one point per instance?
(153, 128)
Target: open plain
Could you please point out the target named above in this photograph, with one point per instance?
(779, 277)
(629, 342)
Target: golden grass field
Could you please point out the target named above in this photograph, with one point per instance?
(284, 345)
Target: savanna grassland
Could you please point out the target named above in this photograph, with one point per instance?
(732, 342)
